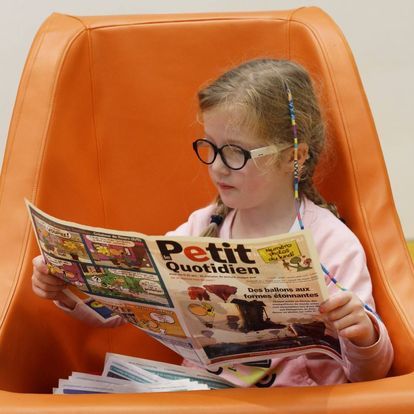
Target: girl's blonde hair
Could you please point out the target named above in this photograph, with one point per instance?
(257, 91)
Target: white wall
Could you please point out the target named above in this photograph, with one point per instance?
(379, 32)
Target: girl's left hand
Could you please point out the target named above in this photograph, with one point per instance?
(347, 314)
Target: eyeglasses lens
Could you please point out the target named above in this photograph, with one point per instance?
(205, 151)
(234, 156)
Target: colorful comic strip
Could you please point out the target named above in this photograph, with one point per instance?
(123, 309)
(108, 250)
(60, 242)
(100, 309)
(156, 320)
(68, 271)
(125, 285)
(102, 264)
(161, 321)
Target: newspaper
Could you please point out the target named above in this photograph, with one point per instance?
(213, 301)
(156, 372)
(123, 374)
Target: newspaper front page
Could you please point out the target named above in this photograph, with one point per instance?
(212, 301)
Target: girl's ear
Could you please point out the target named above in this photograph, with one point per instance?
(303, 155)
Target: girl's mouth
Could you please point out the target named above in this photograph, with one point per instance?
(223, 186)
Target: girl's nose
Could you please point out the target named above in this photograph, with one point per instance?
(219, 167)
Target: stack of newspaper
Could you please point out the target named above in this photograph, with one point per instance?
(124, 374)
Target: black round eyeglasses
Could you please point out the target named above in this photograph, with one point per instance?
(233, 156)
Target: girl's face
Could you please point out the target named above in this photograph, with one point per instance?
(260, 182)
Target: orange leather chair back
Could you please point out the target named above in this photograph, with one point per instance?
(101, 134)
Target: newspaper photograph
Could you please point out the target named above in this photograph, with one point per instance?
(213, 301)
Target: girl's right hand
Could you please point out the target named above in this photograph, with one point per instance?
(47, 286)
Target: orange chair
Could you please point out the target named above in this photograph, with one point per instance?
(101, 132)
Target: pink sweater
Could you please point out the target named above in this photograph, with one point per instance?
(340, 252)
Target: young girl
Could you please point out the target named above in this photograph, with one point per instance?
(263, 137)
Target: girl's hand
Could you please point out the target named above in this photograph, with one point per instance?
(47, 286)
(347, 314)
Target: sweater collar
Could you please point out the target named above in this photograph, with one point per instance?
(225, 229)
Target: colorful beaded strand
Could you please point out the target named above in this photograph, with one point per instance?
(295, 157)
(296, 188)
(339, 286)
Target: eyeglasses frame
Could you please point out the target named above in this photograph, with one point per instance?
(252, 154)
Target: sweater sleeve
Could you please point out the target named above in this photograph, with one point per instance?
(342, 254)
(368, 363)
